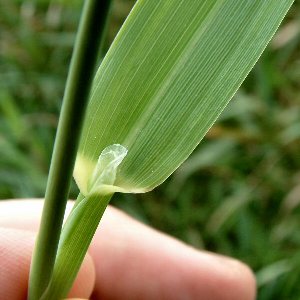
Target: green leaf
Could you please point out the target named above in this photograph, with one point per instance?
(168, 75)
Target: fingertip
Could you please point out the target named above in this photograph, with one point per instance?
(241, 281)
(224, 278)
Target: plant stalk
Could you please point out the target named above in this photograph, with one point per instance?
(89, 37)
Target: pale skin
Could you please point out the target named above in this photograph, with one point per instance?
(127, 260)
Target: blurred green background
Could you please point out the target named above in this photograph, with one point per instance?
(238, 194)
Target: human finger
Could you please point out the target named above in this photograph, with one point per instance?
(133, 261)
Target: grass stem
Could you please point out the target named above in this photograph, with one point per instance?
(90, 33)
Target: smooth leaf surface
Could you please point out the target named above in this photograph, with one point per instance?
(168, 75)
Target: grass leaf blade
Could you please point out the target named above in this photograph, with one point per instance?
(170, 72)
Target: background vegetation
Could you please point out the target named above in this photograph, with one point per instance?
(238, 194)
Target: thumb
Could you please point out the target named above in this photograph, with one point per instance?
(15, 254)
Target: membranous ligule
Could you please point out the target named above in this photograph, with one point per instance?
(106, 168)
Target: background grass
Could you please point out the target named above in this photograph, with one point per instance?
(238, 194)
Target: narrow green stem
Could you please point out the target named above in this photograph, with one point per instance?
(90, 33)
